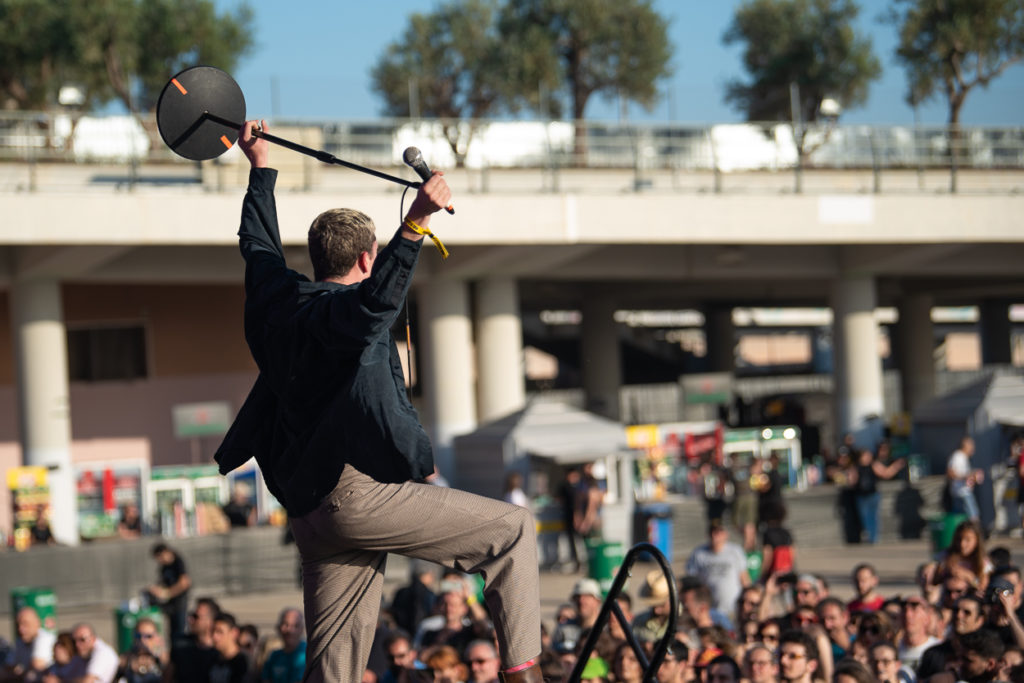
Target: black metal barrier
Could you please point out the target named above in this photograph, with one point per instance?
(611, 607)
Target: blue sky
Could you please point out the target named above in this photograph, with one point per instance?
(312, 60)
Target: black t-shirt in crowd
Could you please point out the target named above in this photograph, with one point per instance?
(229, 670)
(169, 575)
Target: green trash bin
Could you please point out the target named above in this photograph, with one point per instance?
(125, 620)
(942, 528)
(603, 561)
(40, 598)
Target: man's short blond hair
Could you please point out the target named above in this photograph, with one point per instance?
(336, 239)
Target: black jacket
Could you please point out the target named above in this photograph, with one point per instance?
(330, 390)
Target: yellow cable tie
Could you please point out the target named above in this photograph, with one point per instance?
(418, 229)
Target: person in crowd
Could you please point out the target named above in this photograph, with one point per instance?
(170, 591)
(865, 485)
(415, 601)
(744, 501)
(979, 659)
(41, 532)
(587, 597)
(885, 662)
(723, 669)
(240, 509)
(865, 583)
(615, 627)
(33, 648)
(962, 480)
(807, 591)
(748, 606)
(625, 665)
(834, 618)
(650, 624)
(798, 657)
(287, 664)
(916, 638)
(130, 524)
(445, 663)
(695, 599)
(192, 656)
(567, 499)
(140, 666)
(675, 667)
(61, 668)
(768, 483)
(721, 565)
(482, 659)
(249, 645)
(402, 657)
(514, 490)
(589, 501)
(230, 664)
(777, 544)
(147, 634)
(759, 665)
(1012, 656)
(965, 558)
(852, 671)
(94, 661)
(968, 615)
(457, 628)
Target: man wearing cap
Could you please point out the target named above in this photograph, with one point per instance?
(721, 565)
(586, 595)
(650, 624)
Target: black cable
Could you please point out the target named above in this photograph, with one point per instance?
(408, 331)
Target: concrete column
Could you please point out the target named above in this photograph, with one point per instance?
(994, 324)
(601, 360)
(499, 349)
(859, 397)
(41, 357)
(720, 335)
(448, 372)
(915, 351)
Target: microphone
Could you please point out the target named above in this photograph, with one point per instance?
(414, 158)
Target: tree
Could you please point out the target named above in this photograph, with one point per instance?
(586, 47)
(445, 65)
(951, 46)
(798, 53)
(114, 49)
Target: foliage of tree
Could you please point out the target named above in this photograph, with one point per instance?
(609, 47)
(475, 58)
(951, 46)
(447, 65)
(809, 43)
(112, 49)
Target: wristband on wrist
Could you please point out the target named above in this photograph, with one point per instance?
(418, 229)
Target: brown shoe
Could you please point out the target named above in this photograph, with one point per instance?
(529, 675)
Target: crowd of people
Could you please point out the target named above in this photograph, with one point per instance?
(963, 623)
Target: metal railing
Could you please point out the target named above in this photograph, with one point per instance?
(654, 154)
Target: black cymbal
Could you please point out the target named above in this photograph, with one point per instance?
(199, 112)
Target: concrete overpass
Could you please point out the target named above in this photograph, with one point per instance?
(520, 243)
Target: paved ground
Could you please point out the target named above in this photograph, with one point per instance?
(895, 562)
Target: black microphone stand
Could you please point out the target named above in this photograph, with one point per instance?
(321, 155)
